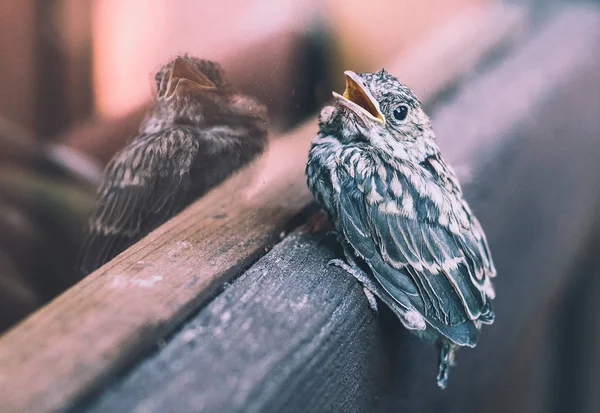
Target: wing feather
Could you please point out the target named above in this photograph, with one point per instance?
(421, 263)
(144, 185)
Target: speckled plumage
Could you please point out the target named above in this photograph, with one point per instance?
(199, 131)
(400, 213)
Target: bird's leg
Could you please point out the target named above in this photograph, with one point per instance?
(410, 318)
(361, 277)
(447, 353)
(369, 287)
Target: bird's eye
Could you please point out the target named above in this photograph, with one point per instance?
(401, 112)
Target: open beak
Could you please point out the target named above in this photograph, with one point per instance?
(183, 75)
(358, 99)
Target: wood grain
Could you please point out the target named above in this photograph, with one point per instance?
(91, 332)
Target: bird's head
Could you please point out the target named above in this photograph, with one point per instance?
(192, 90)
(379, 109)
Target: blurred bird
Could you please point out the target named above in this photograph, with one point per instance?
(408, 235)
(199, 131)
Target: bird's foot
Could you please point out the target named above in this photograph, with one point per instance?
(371, 299)
(368, 287)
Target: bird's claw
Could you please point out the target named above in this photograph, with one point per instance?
(371, 299)
(360, 278)
(338, 263)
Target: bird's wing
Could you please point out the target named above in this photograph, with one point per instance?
(143, 186)
(421, 263)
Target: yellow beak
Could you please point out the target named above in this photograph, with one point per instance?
(357, 98)
(183, 75)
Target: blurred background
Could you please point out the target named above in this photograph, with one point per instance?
(76, 77)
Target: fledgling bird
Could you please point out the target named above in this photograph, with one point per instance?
(408, 235)
(199, 132)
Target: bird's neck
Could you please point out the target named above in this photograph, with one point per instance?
(403, 150)
(163, 116)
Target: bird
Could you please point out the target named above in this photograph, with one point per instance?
(397, 208)
(198, 132)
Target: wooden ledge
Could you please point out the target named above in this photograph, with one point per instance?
(84, 337)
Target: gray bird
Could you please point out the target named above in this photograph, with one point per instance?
(199, 131)
(408, 235)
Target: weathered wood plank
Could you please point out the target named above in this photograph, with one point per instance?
(96, 328)
(281, 326)
(293, 335)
